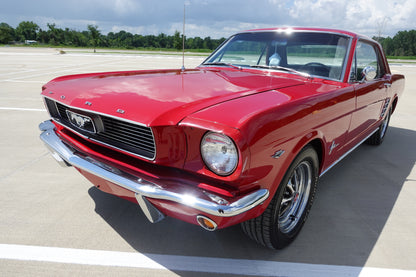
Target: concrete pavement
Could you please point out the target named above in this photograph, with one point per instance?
(363, 216)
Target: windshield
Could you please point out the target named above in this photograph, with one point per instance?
(313, 53)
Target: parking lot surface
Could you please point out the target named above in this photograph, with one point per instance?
(54, 222)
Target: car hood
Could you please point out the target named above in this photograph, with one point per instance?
(159, 97)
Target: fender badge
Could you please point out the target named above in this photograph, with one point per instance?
(333, 146)
(120, 111)
(88, 103)
(278, 154)
(63, 97)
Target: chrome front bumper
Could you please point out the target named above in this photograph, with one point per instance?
(144, 189)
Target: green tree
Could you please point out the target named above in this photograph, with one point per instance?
(163, 40)
(402, 44)
(56, 35)
(27, 30)
(177, 40)
(388, 46)
(138, 41)
(208, 44)
(95, 35)
(42, 36)
(7, 33)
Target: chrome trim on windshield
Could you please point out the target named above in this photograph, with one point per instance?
(291, 30)
(345, 63)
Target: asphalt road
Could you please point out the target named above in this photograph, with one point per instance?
(54, 222)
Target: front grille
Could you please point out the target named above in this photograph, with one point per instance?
(131, 135)
(120, 134)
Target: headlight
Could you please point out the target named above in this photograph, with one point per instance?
(219, 153)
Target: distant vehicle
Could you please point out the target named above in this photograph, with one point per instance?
(243, 138)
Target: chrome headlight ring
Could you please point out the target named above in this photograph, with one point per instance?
(219, 153)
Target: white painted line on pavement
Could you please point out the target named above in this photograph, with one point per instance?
(25, 54)
(187, 263)
(22, 109)
(20, 81)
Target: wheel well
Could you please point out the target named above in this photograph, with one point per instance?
(317, 145)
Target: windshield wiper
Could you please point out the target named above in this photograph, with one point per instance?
(282, 68)
(223, 64)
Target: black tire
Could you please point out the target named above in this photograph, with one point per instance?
(378, 137)
(283, 219)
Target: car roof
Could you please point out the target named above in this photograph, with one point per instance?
(309, 29)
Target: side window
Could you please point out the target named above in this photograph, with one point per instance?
(365, 55)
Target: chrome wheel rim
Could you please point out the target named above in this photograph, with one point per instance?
(295, 197)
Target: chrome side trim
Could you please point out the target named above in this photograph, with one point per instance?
(145, 189)
(385, 107)
(347, 153)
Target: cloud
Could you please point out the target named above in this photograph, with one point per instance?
(321, 12)
(215, 18)
(125, 7)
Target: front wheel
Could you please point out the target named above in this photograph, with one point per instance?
(284, 217)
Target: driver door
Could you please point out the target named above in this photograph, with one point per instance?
(371, 94)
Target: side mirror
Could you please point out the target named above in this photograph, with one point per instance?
(369, 73)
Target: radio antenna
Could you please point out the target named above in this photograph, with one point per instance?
(183, 40)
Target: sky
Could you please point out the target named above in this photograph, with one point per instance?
(214, 18)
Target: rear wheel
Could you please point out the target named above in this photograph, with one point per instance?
(378, 137)
(284, 217)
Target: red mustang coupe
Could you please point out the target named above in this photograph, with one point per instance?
(243, 138)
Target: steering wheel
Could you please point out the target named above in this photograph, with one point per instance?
(315, 64)
(316, 68)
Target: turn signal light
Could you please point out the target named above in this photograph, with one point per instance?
(206, 223)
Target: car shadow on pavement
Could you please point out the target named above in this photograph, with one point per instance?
(353, 203)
